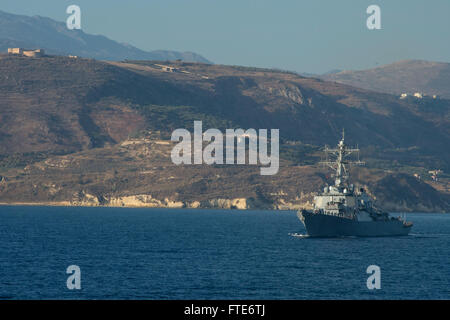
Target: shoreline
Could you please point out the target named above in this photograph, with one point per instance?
(67, 204)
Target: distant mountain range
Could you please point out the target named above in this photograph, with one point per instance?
(55, 38)
(408, 76)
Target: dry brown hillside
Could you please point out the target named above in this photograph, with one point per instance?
(63, 123)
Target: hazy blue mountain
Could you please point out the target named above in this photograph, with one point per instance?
(55, 38)
(408, 76)
(332, 71)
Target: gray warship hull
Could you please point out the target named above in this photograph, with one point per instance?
(323, 225)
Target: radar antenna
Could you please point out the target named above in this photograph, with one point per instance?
(339, 163)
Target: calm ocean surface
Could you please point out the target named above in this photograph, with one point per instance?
(211, 254)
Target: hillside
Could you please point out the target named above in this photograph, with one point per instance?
(53, 36)
(139, 173)
(408, 76)
(76, 131)
(73, 104)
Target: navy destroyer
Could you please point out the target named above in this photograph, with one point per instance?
(340, 210)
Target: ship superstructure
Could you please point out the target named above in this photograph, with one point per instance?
(340, 210)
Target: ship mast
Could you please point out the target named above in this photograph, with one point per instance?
(339, 163)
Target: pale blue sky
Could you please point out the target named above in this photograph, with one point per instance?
(306, 36)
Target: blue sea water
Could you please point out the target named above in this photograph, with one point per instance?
(211, 254)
